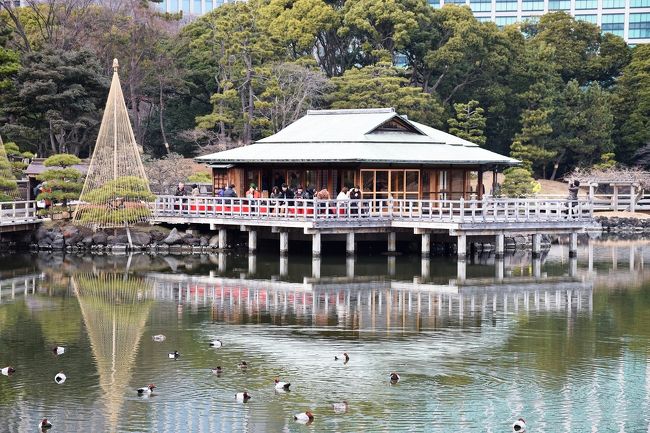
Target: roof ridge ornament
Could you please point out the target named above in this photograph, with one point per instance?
(116, 65)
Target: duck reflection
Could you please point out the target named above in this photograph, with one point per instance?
(115, 308)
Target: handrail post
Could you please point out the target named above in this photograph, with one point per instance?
(461, 205)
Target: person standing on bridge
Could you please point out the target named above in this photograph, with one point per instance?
(574, 188)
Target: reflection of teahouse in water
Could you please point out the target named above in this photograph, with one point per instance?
(115, 309)
(374, 305)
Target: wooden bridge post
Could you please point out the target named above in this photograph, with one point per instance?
(426, 268)
(632, 198)
(284, 242)
(349, 243)
(252, 264)
(426, 244)
(392, 242)
(252, 241)
(315, 265)
(315, 244)
(537, 267)
(349, 267)
(573, 244)
(499, 244)
(498, 268)
(284, 262)
(461, 248)
(223, 233)
(537, 244)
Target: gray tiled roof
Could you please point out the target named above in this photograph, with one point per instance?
(350, 136)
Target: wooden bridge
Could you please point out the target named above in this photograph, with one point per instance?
(455, 218)
(18, 216)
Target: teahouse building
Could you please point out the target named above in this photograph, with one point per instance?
(384, 153)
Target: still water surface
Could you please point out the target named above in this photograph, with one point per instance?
(563, 344)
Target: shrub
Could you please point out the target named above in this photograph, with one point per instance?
(518, 182)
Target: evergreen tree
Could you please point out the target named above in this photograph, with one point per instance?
(63, 181)
(518, 183)
(632, 106)
(469, 122)
(383, 85)
(8, 185)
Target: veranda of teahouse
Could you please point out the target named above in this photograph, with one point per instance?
(384, 153)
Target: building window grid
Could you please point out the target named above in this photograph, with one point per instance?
(639, 26)
(532, 5)
(640, 3)
(481, 5)
(591, 18)
(613, 23)
(506, 6)
(504, 21)
(559, 5)
(613, 4)
(586, 4)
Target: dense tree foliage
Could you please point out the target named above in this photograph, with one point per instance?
(556, 94)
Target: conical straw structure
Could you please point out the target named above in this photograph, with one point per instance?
(116, 191)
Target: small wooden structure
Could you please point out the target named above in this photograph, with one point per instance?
(385, 154)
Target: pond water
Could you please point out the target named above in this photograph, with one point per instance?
(562, 343)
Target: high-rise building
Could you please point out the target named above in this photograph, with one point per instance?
(629, 19)
(190, 7)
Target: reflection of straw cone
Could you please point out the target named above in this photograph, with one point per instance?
(115, 310)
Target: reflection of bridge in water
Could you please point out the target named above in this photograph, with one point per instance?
(375, 304)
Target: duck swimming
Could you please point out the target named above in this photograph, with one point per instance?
(281, 386)
(243, 365)
(345, 358)
(58, 350)
(174, 354)
(8, 371)
(216, 344)
(146, 390)
(159, 338)
(394, 377)
(519, 426)
(304, 417)
(44, 425)
(216, 370)
(60, 378)
(242, 397)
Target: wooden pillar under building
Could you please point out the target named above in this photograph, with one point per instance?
(252, 264)
(537, 267)
(392, 242)
(349, 243)
(426, 244)
(349, 267)
(284, 265)
(461, 248)
(499, 244)
(573, 244)
(252, 241)
(537, 244)
(284, 242)
(315, 245)
(315, 267)
(223, 238)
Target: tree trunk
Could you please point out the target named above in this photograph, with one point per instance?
(557, 164)
(160, 115)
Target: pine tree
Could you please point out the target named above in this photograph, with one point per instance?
(469, 123)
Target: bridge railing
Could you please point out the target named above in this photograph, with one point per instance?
(463, 211)
(17, 212)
